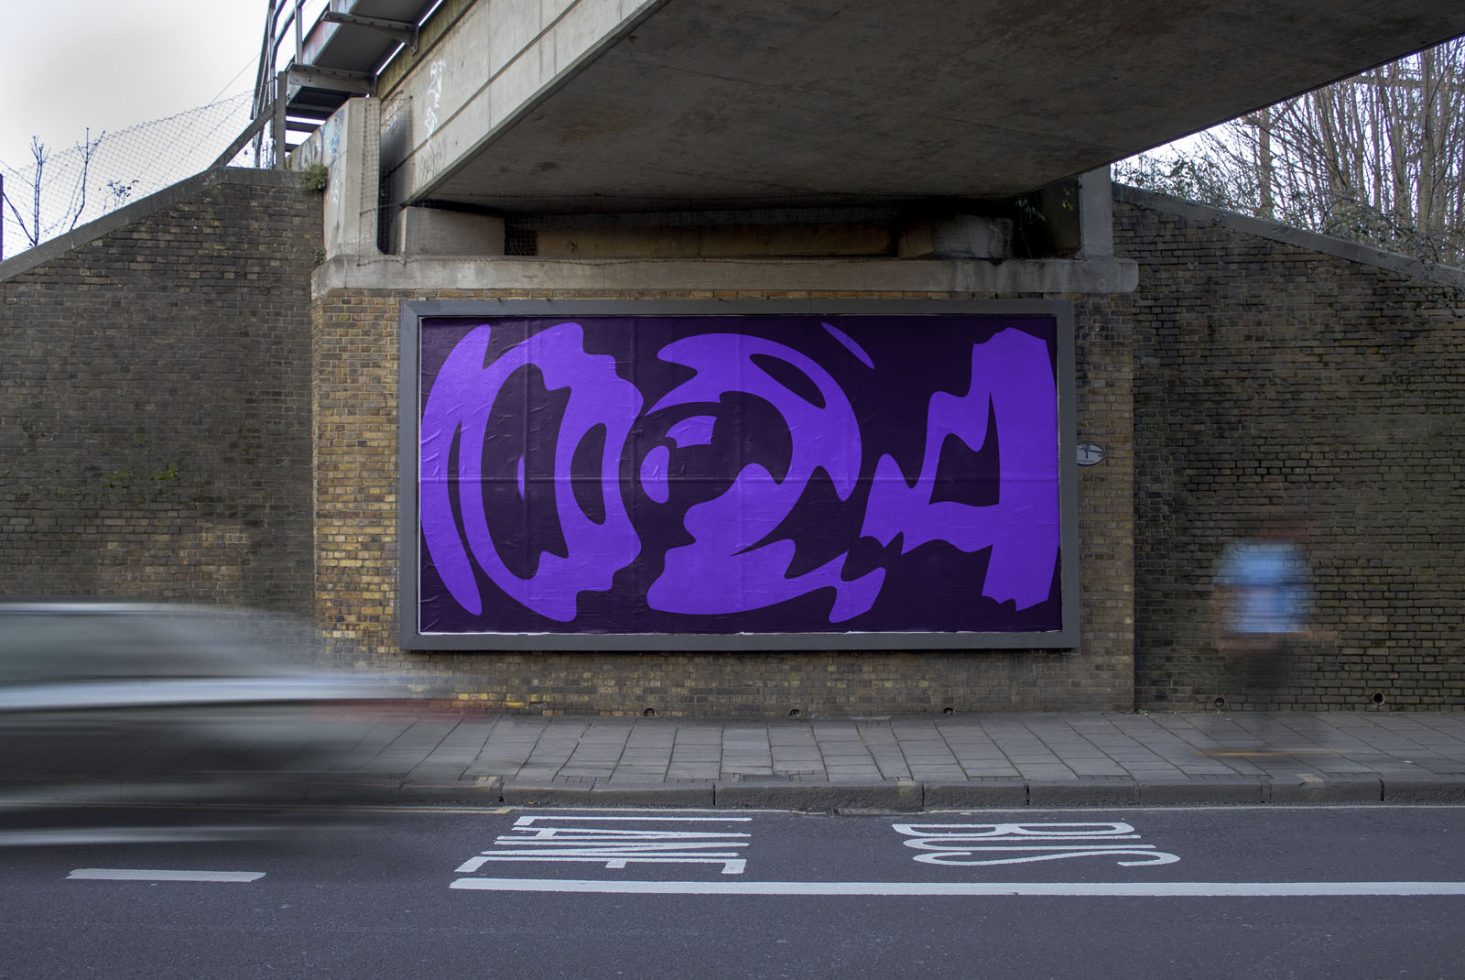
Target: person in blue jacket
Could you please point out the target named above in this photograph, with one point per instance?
(1264, 597)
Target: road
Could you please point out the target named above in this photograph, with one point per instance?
(1204, 892)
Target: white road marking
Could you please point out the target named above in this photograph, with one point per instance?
(610, 842)
(923, 889)
(140, 874)
(1017, 843)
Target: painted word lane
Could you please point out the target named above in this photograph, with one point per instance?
(616, 843)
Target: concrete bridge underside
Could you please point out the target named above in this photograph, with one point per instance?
(607, 105)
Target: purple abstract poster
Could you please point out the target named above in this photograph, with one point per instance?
(738, 475)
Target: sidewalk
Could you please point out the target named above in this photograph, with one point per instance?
(909, 762)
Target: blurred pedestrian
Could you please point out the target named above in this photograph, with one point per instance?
(1263, 601)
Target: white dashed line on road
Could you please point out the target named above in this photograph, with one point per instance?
(141, 874)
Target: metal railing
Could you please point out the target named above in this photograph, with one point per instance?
(288, 51)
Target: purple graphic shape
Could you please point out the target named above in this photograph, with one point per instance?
(724, 570)
(653, 474)
(459, 405)
(519, 476)
(1012, 379)
(849, 344)
(693, 431)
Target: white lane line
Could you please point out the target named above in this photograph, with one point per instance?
(527, 820)
(1061, 889)
(141, 874)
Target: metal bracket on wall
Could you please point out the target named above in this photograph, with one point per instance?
(401, 30)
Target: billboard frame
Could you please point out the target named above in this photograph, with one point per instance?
(413, 312)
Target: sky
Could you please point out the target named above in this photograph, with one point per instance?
(110, 64)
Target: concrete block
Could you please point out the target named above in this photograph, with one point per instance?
(976, 794)
(1420, 787)
(958, 236)
(427, 231)
(350, 206)
(1201, 790)
(1096, 214)
(1084, 791)
(1307, 788)
(486, 790)
(517, 793)
(818, 796)
(692, 793)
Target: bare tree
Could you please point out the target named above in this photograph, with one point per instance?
(37, 229)
(1378, 158)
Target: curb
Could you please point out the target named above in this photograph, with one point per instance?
(897, 796)
(694, 794)
(1084, 791)
(991, 793)
(1410, 787)
(1202, 790)
(1307, 788)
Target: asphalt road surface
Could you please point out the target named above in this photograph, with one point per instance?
(1197, 892)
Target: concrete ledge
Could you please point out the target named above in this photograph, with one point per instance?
(977, 794)
(1084, 791)
(852, 276)
(1422, 788)
(818, 796)
(1332, 789)
(1201, 790)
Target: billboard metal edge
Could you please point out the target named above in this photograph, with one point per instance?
(409, 539)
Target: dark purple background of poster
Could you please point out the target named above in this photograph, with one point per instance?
(934, 588)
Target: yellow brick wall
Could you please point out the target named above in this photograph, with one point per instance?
(354, 399)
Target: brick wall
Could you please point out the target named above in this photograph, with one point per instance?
(1328, 391)
(154, 400)
(162, 380)
(355, 353)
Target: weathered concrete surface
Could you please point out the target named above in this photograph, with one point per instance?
(427, 231)
(567, 105)
(494, 65)
(1035, 276)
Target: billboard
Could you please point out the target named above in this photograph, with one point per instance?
(719, 476)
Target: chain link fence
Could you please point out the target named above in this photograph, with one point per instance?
(103, 171)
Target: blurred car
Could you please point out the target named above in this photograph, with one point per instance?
(131, 702)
